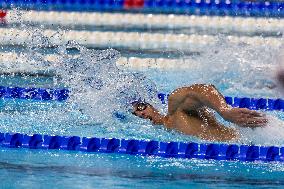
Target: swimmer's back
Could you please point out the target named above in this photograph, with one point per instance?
(192, 124)
(179, 100)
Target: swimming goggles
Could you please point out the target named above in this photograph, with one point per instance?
(141, 106)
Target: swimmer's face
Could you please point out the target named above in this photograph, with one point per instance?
(143, 110)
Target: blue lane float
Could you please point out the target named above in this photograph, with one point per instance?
(245, 102)
(34, 93)
(144, 148)
(273, 8)
(47, 94)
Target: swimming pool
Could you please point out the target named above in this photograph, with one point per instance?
(236, 69)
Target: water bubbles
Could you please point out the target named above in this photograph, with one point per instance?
(97, 86)
(239, 68)
(100, 92)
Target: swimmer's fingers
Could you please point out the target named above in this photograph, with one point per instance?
(251, 112)
(256, 114)
(243, 116)
(253, 116)
(250, 118)
(256, 122)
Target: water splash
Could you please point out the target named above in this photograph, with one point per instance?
(271, 134)
(97, 86)
(239, 68)
(99, 89)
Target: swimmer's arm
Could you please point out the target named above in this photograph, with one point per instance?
(200, 95)
(197, 96)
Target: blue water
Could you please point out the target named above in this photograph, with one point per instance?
(58, 169)
(236, 70)
(21, 168)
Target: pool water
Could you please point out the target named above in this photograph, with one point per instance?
(99, 89)
(58, 169)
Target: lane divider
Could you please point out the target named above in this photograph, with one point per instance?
(34, 93)
(244, 102)
(3, 14)
(63, 94)
(144, 148)
(242, 24)
(131, 40)
(198, 7)
(14, 62)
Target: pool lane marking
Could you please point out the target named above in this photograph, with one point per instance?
(57, 94)
(171, 21)
(130, 40)
(184, 150)
(14, 63)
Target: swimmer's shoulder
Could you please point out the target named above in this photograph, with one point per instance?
(183, 98)
(176, 98)
(179, 91)
(182, 92)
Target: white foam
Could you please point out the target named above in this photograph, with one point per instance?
(271, 134)
(98, 87)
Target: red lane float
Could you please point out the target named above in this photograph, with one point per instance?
(3, 14)
(133, 4)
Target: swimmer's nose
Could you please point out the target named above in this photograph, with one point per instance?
(134, 113)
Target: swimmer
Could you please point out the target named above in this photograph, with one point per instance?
(188, 113)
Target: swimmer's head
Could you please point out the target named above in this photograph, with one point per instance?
(145, 110)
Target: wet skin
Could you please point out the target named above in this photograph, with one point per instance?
(188, 112)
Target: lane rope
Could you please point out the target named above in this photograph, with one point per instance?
(225, 23)
(15, 62)
(183, 150)
(131, 40)
(198, 7)
(46, 94)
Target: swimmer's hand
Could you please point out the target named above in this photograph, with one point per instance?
(244, 117)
